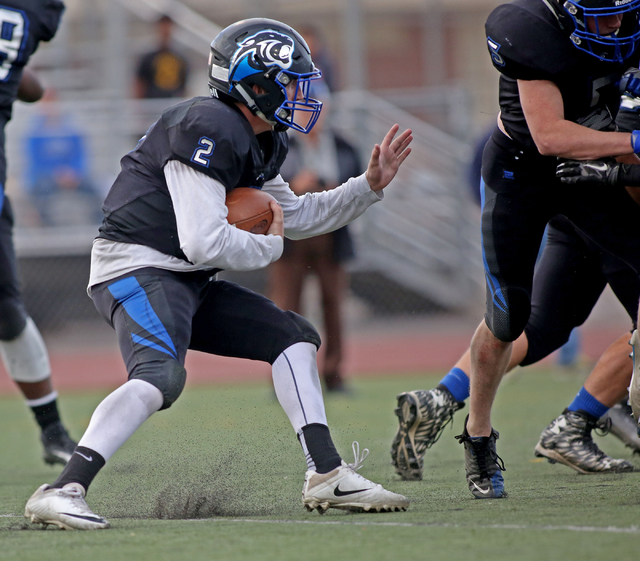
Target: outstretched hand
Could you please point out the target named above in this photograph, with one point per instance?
(387, 157)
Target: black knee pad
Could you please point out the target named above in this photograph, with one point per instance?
(296, 330)
(168, 376)
(508, 322)
(13, 319)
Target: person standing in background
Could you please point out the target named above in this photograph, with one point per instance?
(318, 161)
(60, 171)
(162, 72)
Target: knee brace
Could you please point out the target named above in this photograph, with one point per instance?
(507, 320)
(25, 356)
(13, 319)
(297, 330)
(168, 376)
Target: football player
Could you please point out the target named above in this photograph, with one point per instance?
(25, 23)
(569, 278)
(560, 64)
(164, 237)
(609, 173)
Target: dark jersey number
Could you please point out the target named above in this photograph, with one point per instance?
(493, 51)
(13, 27)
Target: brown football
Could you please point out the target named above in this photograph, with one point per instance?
(249, 209)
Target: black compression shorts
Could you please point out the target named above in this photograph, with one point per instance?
(159, 314)
(520, 195)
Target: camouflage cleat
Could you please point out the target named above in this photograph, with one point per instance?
(57, 443)
(422, 416)
(623, 425)
(483, 466)
(568, 440)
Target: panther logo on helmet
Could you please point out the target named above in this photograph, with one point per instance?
(271, 48)
(256, 62)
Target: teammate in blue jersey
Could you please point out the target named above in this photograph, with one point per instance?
(164, 237)
(569, 278)
(24, 24)
(560, 64)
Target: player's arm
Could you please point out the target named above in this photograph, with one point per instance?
(543, 108)
(206, 238)
(318, 213)
(30, 88)
(321, 212)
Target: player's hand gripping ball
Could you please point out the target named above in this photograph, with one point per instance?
(249, 209)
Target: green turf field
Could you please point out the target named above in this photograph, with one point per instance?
(219, 476)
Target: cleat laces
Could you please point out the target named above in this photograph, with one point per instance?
(358, 459)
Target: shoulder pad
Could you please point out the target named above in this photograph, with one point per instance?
(525, 42)
(209, 136)
(51, 15)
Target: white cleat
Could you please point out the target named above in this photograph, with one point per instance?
(64, 508)
(634, 388)
(345, 489)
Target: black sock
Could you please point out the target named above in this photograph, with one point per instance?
(46, 414)
(83, 466)
(319, 448)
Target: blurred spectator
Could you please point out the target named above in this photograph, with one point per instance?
(318, 161)
(162, 72)
(320, 54)
(58, 172)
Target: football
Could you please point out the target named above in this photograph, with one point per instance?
(249, 209)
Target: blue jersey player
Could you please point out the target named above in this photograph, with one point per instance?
(560, 64)
(164, 237)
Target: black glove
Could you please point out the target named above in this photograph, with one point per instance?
(591, 172)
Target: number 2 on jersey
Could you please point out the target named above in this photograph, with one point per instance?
(201, 155)
(13, 25)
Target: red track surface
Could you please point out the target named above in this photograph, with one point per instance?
(414, 350)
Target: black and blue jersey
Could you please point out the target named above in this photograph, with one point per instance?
(203, 133)
(529, 41)
(23, 24)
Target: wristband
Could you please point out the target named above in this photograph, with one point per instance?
(635, 142)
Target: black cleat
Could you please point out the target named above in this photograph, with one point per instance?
(57, 443)
(482, 465)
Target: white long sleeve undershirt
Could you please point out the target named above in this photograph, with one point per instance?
(208, 240)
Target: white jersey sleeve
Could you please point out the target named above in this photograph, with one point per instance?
(206, 238)
(313, 214)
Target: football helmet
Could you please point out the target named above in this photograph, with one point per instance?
(271, 55)
(614, 47)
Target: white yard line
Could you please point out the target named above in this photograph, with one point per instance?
(548, 528)
(604, 529)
